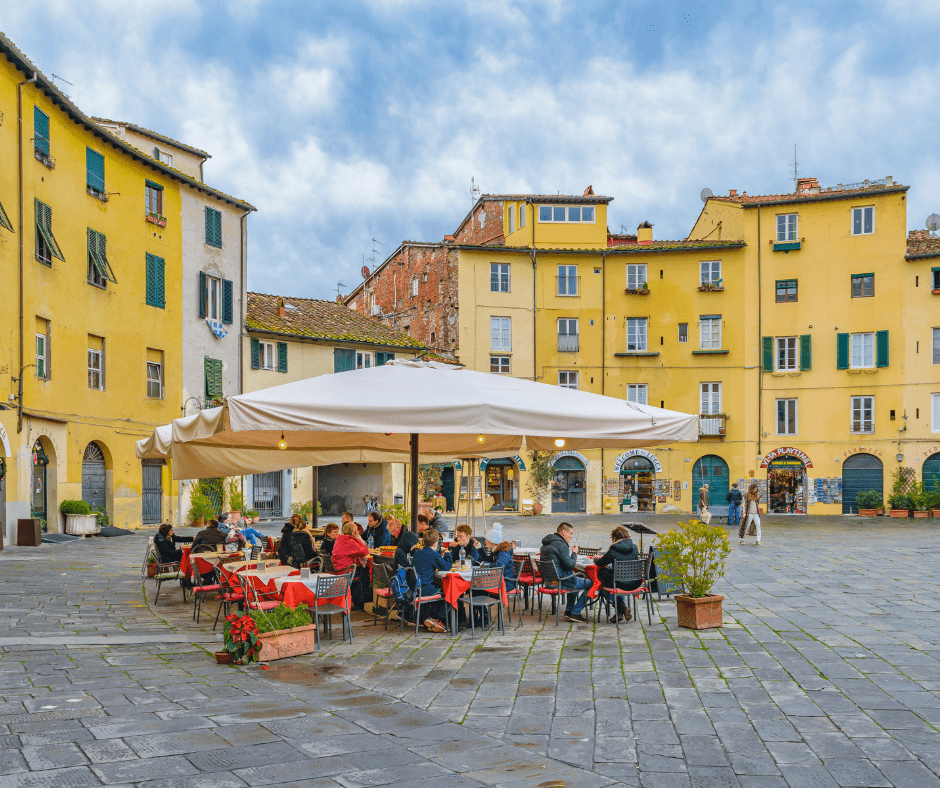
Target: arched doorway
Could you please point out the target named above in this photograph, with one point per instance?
(39, 487)
(636, 482)
(786, 485)
(931, 473)
(568, 483)
(94, 478)
(501, 480)
(860, 472)
(713, 471)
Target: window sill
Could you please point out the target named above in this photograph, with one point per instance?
(98, 195)
(866, 371)
(708, 289)
(710, 352)
(787, 246)
(568, 295)
(43, 260)
(635, 353)
(44, 159)
(628, 291)
(500, 352)
(95, 284)
(155, 218)
(784, 373)
(213, 246)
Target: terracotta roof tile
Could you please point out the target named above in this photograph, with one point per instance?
(920, 243)
(589, 199)
(153, 134)
(632, 248)
(810, 195)
(316, 319)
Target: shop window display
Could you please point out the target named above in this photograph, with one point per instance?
(786, 480)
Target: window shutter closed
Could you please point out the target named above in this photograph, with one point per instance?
(203, 294)
(344, 359)
(213, 227)
(94, 164)
(156, 291)
(213, 372)
(156, 154)
(282, 357)
(767, 348)
(806, 351)
(881, 343)
(842, 351)
(227, 311)
(383, 358)
(40, 130)
(255, 354)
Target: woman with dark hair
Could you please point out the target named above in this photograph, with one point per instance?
(284, 548)
(329, 538)
(622, 548)
(351, 551)
(165, 542)
(302, 543)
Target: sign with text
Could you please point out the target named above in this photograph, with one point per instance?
(786, 451)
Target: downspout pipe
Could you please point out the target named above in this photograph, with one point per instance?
(760, 366)
(603, 358)
(19, 146)
(534, 298)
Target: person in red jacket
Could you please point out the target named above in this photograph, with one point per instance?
(348, 551)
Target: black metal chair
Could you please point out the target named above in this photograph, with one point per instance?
(526, 578)
(415, 606)
(627, 572)
(331, 587)
(383, 593)
(550, 586)
(202, 587)
(483, 584)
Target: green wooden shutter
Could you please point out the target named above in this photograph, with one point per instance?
(40, 130)
(228, 313)
(282, 357)
(767, 354)
(98, 249)
(806, 351)
(44, 225)
(94, 166)
(842, 351)
(213, 375)
(881, 345)
(255, 354)
(383, 358)
(156, 286)
(156, 154)
(213, 227)
(344, 359)
(4, 219)
(203, 294)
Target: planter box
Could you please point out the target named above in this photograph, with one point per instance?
(935, 512)
(81, 524)
(898, 513)
(880, 512)
(701, 613)
(921, 514)
(867, 512)
(284, 643)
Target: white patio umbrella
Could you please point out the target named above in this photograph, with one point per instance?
(405, 411)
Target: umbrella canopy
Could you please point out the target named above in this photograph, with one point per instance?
(369, 415)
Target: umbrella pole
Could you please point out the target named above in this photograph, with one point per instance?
(414, 481)
(458, 482)
(314, 488)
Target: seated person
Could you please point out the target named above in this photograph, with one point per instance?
(207, 539)
(502, 555)
(394, 530)
(408, 542)
(303, 547)
(436, 522)
(165, 542)
(463, 538)
(348, 518)
(426, 562)
(555, 548)
(377, 528)
(622, 548)
(284, 545)
(349, 551)
(329, 538)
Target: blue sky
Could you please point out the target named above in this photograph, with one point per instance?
(344, 122)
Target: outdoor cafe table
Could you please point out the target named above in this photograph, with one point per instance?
(238, 566)
(298, 591)
(454, 584)
(262, 579)
(213, 558)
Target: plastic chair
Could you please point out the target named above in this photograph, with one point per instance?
(330, 587)
(525, 579)
(627, 572)
(549, 574)
(485, 582)
(201, 588)
(384, 593)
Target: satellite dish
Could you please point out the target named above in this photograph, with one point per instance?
(365, 272)
(705, 194)
(933, 222)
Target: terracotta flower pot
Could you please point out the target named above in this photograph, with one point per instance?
(898, 513)
(234, 516)
(699, 612)
(537, 509)
(256, 519)
(924, 513)
(880, 511)
(935, 512)
(223, 657)
(284, 643)
(867, 512)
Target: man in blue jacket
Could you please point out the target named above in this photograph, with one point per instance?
(377, 528)
(555, 548)
(734, 498)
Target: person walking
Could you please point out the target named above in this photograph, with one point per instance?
(734, 498)
(752, 510)
(702, 501)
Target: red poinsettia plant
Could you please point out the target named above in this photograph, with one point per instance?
(241, 637)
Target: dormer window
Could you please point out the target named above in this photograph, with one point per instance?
(566, 213)
(163, 156)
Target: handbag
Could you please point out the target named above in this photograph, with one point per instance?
(706, 516)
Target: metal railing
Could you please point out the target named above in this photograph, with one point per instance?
(712, 426)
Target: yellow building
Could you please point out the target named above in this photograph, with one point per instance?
(90, 358)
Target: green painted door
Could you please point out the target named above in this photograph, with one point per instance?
(713, 471)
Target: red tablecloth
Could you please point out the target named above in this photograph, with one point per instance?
(591, 571)
(455, 586)
(296, 594)
(185, 568)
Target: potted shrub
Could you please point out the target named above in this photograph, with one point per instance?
(284, 632)
(540, 479)
(236, 500)
(79, 519)
(201, 509)
(868, 502)
(240, 637)
(693, 557)
(899, 505)
(253, 514)
(933, 502)
(919, 500)
(151, 566)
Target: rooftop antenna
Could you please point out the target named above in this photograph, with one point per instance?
(795, 175)
(339, 292)
(56, 77)
(374, 250)
(933, 223)
(474, 191)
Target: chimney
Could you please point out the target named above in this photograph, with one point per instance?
(732, 192)
(589, 192)
(807, 186)
(281, 310)
(644, 233)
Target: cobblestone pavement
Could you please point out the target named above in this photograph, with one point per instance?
(825, 674)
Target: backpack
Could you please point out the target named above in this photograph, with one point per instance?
(403, 585)
(297, 555)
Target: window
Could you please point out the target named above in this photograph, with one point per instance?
(711, 399)
(163, 156)
(500, 333)
(786, 354)
(863, 285)
(363, 359)
(568, 380)
(636, 277)
(637, 392)
(568, 335)
(40, 133)
(212, 369)
(863, 414)
(683, 332)
(710, 332)
(710, 273)
(786, 290)
(99, 269)
(499, 277)
(571, 213)
(499, 364)
(94, 172)
(153, 198)
(636, 334)
(414, 287)
(213, 307)
(155, 376)
(46, 245)
(42, 355)
(95, 362)
(213, 227)
(935, 412)
(862, 351)
(863, 220)
(156, 287)
(786, 417)
(786, 230)
(567, 280)
(934, 274)
(509, 219)
(266, 355)
(522, 216)
(936, 346)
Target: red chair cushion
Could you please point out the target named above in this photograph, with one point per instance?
(199, 589)
(384, 592)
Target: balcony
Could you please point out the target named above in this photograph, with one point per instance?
(712, 426)
(568, 343)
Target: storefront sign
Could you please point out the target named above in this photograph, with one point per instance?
(928, 453)
(861, 450)
(575, 454)
(657, 465)
(785, 451)
(517, 459)
(5, 441)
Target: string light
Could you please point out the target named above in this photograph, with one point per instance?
(559, 442)
(282, 444)
(480, 439)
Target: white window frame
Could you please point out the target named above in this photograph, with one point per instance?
(791, 404)
(567, 323)
(636, 275)
(561, 214)
(861, 405)
(414, 286)
(266, 357)
(42, 356)
(96, 367)
(521, 216)
(637, 334)
(787, 350)
(501, 334)
(710, 398)
(935, 412)
(213, 297)
(935, 350)
(501, 272)
(365, 359)
(683, 339)
(787, 227)
(165, 157)
(709, 272)
(866, 345)
(860, 212)
(155, 376)
(501, 365)
(569, 275)
(638, 393)
(568, 379)
(709, 333)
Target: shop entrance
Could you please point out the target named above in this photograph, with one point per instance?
(713, 471)
(636, 481)
(502, 483)
(931, 473)
(94, 477)
(568, 485)
(860, 472)
(38, 495)
(786, 483)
